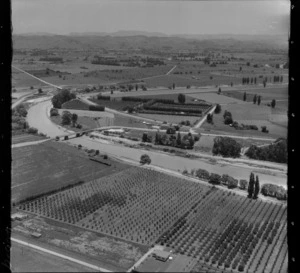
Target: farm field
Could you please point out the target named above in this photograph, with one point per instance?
(251, 114)
(174, 97)
(27, 259)
(267, 94)
(184, 80)
(146, 207)
(72, 67)
(20, 79)
(117, 105)
(25, 138)
(103, 251)
(170, 118)
(37, 169)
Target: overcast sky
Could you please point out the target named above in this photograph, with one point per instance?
(169, 17)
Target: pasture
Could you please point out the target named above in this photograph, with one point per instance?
(25, 138)
(142, 206)
(215, 98)
(267, 94)
(249, 113)
(38, 169)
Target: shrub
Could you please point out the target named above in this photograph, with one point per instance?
(202, 174)
(32, 130)
(145, 159)
(215, 179)
(232, 183)
(53, 112)
(196, 138)
(105, 157)
(243, 184)
(66, 118)
(228, 120)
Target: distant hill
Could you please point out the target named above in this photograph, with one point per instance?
(121, 33)
(95, 41)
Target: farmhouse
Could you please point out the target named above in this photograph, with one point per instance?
(19, 216)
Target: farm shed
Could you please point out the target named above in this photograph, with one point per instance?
(163, 261)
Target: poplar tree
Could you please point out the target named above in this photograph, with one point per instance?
(245, 96)
(256, 188)
(258, 100)
(254, 99)
(251, 185)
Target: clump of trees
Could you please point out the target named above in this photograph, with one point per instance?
(18, 119)
(62, 97)
(145, 159)
(227, 147)
(185, 142)
(274, 191)
(276, 152)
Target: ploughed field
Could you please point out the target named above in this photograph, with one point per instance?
(219, 228)
(48, 166)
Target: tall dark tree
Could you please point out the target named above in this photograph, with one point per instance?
(209, 118)
(219, 91)
(245, 96)
(281, 79)
(136, 87)
(251, 80)
(256, 188)
(218, 109)
(251, 186)
(258, 100)
(157, 139)
(181, 98)
(254, 98)
(178, 139)
(74, 119)
(173, 85)
(265, 83)
(144, 137)
(273, 103)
